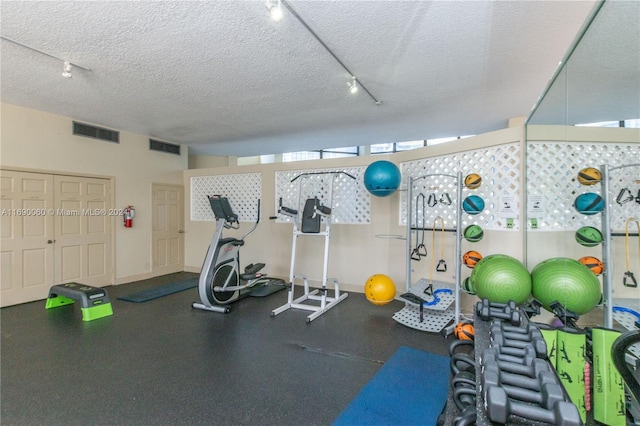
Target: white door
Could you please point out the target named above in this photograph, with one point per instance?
(167, 233)
(83, 230)
(53, 229)
(26, 237)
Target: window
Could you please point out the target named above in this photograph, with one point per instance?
(351, 151)
(600, 124)
(634, 124)
(391, 147)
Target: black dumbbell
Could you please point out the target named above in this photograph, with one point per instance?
(529, 370)
(549, 394)
(494, 307)
(525, 337)
(525, 328)
(510, 304)
(499, 407)
(494, 353)
(538, 344)
(511, 351)
(495, 377)
(487, 313)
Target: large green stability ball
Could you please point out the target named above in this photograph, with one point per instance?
(501, 278)
(382, 178)
(567, 281)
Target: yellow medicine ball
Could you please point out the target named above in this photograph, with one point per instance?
(473, 181)
(589, 176)
(379, 289)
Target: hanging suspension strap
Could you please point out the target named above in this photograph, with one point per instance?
(629, 280)
(420, 250)
(442, 265)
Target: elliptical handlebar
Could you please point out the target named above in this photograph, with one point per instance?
(255, 225)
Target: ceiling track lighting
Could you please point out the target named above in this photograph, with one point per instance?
(66, 69)
(67, 66)
(275, 9)
(353, 85)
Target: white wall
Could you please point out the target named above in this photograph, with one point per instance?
(36, 141)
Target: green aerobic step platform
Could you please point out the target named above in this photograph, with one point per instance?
(94, 301)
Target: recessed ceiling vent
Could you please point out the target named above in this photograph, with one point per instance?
(89, 131)
(171, 148)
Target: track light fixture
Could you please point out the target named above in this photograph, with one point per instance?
(66, 69)
(353, 86)
(67, 65)
(275, 9)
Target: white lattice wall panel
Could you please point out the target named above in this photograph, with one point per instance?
(499, 167)
(242, 190)
(351, 201)
(552, 170)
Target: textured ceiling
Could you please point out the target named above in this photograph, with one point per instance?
(223, 78)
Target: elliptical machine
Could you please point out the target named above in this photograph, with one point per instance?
(221, 282)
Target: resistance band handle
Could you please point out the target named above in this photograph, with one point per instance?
(629, 276)
(432, 201)
(621, 199)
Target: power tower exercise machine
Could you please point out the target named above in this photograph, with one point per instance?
(221, 282)
(315, 222)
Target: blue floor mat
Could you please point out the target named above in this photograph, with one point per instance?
(409, 389)
(160, 291)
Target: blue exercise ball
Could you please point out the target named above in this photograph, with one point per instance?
(382, 178)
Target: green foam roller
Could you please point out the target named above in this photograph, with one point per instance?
(570, 365)
(608, 388)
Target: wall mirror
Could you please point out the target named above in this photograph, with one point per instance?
(572, 218)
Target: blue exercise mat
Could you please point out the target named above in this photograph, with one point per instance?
(410, 389)
(160, 291)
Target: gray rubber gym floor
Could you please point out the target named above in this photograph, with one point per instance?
(163, 363)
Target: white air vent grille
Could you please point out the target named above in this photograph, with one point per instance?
(89, 131)
(171, 148)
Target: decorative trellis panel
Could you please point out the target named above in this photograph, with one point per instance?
(351, 203)
(242, 190)
(499, 167)
(552, 170)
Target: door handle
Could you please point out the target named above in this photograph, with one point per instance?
(180, 231)
(51, 241)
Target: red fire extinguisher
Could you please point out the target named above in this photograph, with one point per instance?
(128, 215)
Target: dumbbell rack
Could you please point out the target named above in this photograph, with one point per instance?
(482, 341)
(436, 317)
